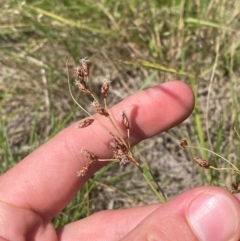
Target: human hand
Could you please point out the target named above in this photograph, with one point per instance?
(43, 183)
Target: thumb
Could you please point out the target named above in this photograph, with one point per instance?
(205, 213)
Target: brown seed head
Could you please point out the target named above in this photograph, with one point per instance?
(125, 160)
(125, 120)
(83, 88)
(82, 172)
(89, 155)
(85, 68)
(121, 156)
(202, 163)
(183, 143)
(80, 75)
(235, 185)
(105, 88)
(99, 109)
(85, 123)
(118, 154)
(116, 144)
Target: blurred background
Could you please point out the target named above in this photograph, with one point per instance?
(136, 44)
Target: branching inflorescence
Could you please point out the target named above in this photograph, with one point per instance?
(122, 152)
(206, 165)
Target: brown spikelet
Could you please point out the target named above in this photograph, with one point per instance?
(99, 109)
(125, 120)
(183, 143)
(105, 88)
(235, 186)
(89, 155)
(83, 88)
(85, 123)
(85, 68)
(80, 75)
(202, 163)
(82, 172)
(118, 154)
(125, 160)
(121, 156)
(116, 144)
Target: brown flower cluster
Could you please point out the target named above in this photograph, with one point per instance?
(92, 158)
(121, 149)
(199, 161)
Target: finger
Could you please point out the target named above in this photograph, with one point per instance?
(206, 214)
(23, 224)
(45, 181)
(105, 225)
(237, 195)
(113, 225)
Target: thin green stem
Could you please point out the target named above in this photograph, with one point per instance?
(214, 153)
(161, 198)
(148, 169)
(223, 168)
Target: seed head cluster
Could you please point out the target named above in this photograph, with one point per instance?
(120, 152)
(85, 123)
(80, 78)
(121, 149)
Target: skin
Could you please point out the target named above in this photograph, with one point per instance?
(43, 183)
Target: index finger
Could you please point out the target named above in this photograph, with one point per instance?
(46, 181)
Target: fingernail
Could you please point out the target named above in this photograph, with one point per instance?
(213, 216)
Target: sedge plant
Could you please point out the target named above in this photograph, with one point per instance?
(122, 150)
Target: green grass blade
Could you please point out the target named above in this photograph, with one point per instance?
(76, 24)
